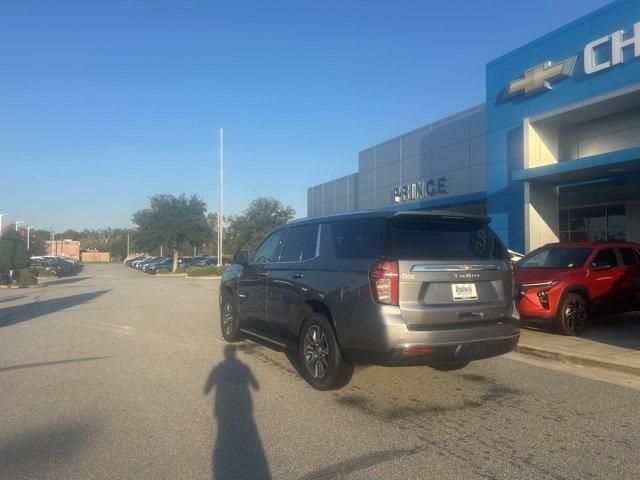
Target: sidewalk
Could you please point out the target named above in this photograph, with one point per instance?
(610, 343)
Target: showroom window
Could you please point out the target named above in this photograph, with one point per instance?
(598, 223)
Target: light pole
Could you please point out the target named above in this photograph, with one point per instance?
(28, 236)
(220, 214)
(18, 222)
(2, 215)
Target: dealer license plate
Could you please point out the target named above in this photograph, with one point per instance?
(464, 291)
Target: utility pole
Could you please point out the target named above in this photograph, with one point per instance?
(220, 214)
(17, 222)
(160, 250)
(29, 237)
(2, 215)
(127, 244)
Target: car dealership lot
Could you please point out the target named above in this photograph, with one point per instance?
(104, 375)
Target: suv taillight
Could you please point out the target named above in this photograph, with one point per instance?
(384, 282)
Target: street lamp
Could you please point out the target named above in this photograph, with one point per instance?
(28, 236)
(2, 215)
(17, 222)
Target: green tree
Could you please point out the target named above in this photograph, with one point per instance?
(246, 230)
(69, 235)
(37, 244)
(170, 221)
(13, 252)
(112, 240)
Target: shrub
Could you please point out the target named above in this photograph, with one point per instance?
(43, 272)
(4, 277)
(27, 279)
(13, 251)
(208, 271)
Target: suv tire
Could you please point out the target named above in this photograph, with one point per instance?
(229, 323)
(573, 315)
(321, 360)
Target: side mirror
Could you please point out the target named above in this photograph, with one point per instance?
(241, 257)
(599, 267)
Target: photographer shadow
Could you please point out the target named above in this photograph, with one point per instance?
(238, 451)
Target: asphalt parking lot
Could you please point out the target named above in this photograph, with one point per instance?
(113, 374)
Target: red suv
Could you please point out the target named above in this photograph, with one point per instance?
(563, 283)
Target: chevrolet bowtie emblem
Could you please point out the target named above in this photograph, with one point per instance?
(540, 77)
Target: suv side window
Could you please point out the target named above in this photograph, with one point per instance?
(269, 250)
(628, 257)
(300, 244)
(311, 245)
(604, 257)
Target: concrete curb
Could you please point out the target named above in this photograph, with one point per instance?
(169, 275)
(580, 360)
(204, 278)
(20, 286)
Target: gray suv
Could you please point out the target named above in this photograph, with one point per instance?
(381, 288)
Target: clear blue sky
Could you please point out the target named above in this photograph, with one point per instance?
(103, 104)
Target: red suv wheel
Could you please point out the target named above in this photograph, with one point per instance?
(572, 315)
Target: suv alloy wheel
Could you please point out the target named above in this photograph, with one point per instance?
(320, 357)
(229, 319)
(572, 315)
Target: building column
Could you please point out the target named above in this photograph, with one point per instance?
(632, 220)
(541, 215)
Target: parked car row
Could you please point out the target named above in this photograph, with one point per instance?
(60, 266)
(151, 264)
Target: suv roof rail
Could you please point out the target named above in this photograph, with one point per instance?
(388, 213)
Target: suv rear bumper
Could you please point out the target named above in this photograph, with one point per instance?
(396, 345)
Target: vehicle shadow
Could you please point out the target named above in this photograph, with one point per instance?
(618, 330)
(67, 280)
(238, 451)
(32, 452)
(29, 311)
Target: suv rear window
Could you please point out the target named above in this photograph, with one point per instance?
(443, 239)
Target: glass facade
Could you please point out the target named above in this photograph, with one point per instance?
(597, 223)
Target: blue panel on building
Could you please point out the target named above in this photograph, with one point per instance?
(560, 110)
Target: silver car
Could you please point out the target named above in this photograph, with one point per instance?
(383, 288)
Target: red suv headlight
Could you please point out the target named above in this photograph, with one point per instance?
(543, 290)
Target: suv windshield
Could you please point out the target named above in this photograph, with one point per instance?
(444, 239)
(555, 257)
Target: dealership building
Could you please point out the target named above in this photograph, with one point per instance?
(552, 155)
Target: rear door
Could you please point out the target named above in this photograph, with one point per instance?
(453, 271)
(628, 282)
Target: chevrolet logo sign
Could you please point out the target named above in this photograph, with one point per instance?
(539, 78)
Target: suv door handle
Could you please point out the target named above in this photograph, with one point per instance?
(297, 275)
